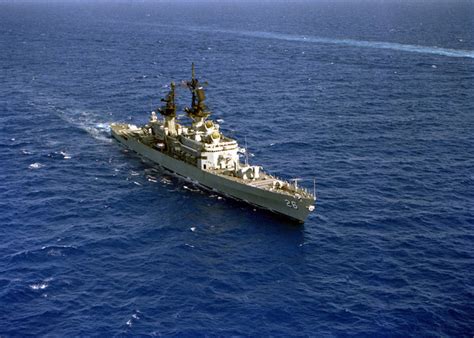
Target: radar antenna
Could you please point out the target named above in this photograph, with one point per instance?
(198, 108)
(169, 109)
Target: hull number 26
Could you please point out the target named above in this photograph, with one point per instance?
(291, 204)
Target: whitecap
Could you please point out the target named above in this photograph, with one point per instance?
(55, 253)
(66, 156)
(39, 286)
(135, 317)
(190, 189)
(35, 165)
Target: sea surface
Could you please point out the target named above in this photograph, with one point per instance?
(373, 99)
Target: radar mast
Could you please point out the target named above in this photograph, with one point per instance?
(198, 110)
(169, 110)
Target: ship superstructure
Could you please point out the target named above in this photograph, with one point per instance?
(202, 153)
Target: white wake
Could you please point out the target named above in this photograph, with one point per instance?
(348, 42)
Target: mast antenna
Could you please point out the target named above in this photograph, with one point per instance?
(246, 152)
(314, 188)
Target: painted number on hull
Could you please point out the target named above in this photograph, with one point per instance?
(291, 204)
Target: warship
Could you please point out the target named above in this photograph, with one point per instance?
(201, 153)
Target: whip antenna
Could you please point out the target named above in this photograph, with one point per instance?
(314, 188)
(246, 153)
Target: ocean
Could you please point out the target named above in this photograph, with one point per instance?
(373, 99)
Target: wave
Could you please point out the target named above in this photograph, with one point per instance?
(36, 165)
(348, 42)
(39, 286)
(41, 254)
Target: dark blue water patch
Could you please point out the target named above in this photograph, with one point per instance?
(374, 101)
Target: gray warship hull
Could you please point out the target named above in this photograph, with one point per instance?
(295, 208)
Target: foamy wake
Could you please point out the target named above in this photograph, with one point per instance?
(367, 44)
(348, 42)
(99, 131)
(86, 121)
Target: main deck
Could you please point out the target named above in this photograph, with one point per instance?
(266, 191)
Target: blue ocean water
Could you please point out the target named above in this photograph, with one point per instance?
(373, 99)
